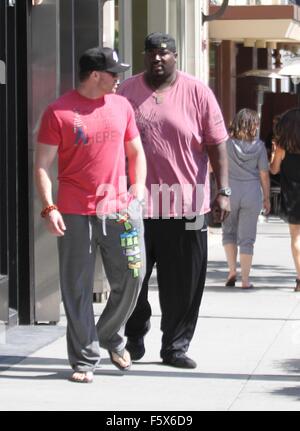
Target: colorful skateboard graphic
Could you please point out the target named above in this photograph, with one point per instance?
(130, 243)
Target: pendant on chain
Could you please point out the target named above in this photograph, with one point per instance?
(158, 98)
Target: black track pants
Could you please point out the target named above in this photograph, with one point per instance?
(181, 259)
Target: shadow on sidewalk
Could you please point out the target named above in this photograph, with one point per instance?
(283, 277)
(290, 366)
(290, 392)
(217, 272)
(19, 373)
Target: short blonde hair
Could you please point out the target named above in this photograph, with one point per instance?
(244, 125)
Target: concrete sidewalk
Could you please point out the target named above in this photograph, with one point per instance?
(247, 346)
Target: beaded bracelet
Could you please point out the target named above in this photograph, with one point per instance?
(48, 210)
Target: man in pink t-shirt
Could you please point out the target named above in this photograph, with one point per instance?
(92, 131)
(181, 128)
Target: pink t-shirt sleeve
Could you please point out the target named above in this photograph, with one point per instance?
(49, 132)
(214, 127)
(131, 130)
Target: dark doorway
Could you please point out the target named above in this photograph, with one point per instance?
(14, 197)
(3, 172)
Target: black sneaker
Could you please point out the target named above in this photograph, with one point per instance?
(136, 348)
(181, 361)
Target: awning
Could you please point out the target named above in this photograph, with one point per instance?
(280, 23)
(263, 73)
(291, 69)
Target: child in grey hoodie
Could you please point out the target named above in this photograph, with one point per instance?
(250, 186)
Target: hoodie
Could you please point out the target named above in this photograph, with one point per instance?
(246, 159)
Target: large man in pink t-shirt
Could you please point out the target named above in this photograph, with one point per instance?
(181, 128)
(92, 131)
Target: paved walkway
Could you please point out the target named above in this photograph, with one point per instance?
(247, 346)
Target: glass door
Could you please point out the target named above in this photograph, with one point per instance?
(3, 171)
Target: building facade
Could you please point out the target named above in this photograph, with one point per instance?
(40, 43)
(248, 45)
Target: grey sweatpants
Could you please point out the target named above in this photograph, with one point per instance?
(240, 226)
(122, 248)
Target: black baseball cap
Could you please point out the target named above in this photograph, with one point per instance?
(160, 41)
(102, 59)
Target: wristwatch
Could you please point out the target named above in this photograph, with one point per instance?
(225, 191)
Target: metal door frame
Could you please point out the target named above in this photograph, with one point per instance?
(4, 314)
(16, 259)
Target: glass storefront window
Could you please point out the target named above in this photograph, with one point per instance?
(117, 29)
(173, 18)
(183, 22)
(190, 46)
(109, 14)
(175, 27)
